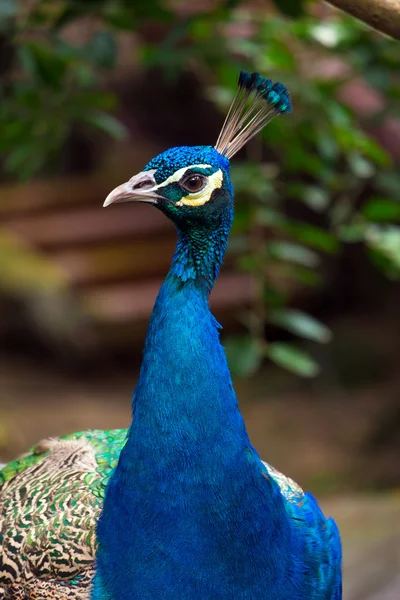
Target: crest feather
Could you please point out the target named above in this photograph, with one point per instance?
(257, 101)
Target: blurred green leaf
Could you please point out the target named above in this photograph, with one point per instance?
(351, 140)
(381, 209)
(253, 180)
(43, 63)
(269, 216)
(360, 166)
(151, 9)
(249, 262)
(383, 263)
(291, 8)
(389, 182)
(288, 251)
(313, 236)
(243, 217)
(293, 359)
(278, 56)
(329, 33)
(386, 241)
(120, 17)
(352, 232)
(106, 123)
(305, 275)
(301, 324)
(341, 210)
(102, 49)
(273, 298)
(374, 151)
(66, 16)
(313, 196)
(244, 355)
(233, 3)
(327, 145)
(297, 159)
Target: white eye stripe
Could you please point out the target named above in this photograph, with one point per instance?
(177, 176)
(201, 197)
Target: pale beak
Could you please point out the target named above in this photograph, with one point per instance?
(141, 187)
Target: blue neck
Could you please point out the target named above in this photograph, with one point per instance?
(184, 398)
(186, 505)
(184, 403)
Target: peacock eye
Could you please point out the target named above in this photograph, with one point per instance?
(194, 183)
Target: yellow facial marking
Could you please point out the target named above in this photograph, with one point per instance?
(200, 198)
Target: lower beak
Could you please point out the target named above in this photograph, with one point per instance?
(140, 188)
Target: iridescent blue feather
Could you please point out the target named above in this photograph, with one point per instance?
(191, 512)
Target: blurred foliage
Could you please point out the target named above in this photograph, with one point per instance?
(24, 271)
(321, 158)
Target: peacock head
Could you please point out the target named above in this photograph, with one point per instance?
(191, 184)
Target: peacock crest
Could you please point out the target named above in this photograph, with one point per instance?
(257, 101)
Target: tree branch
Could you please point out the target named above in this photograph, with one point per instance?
(383, 15)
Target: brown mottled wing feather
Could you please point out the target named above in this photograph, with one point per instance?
(50, 501)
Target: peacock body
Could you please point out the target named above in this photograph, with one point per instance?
(182, 505)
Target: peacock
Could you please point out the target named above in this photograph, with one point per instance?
(180, 506)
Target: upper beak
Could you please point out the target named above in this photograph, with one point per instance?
(141, 187)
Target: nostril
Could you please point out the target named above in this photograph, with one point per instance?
(141, 184)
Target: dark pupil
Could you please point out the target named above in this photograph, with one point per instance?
(194, 183)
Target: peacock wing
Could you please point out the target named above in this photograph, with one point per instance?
(321, 536)
(50, 501)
